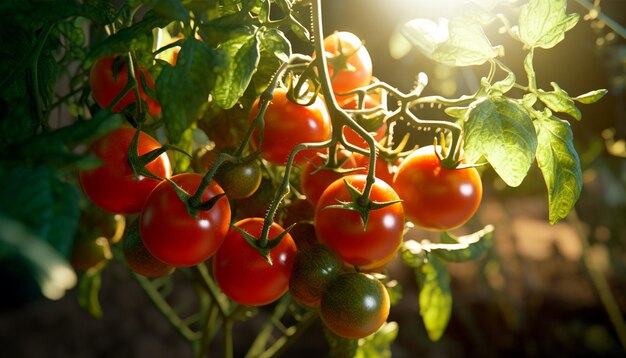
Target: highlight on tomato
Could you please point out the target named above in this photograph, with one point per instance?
(113, 186)
(349, 62)
(288, 124)
(244, 275)
(436, 198)
(109, 76)
(342, 230)
(175, 237)
(354, 305)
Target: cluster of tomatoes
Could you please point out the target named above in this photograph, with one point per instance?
(354, 233)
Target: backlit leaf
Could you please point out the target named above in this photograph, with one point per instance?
(543, 23)
(435, 297)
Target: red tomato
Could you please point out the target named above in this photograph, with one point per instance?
(384, 170)
(434, 197)
(342, 230)
(113, 186)
(314, 180)
(351, 136)
(354, 71)
(244, 275)
(175, 237)
(288, 124)
(106, 83)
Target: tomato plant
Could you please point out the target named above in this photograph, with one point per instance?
(384, 170)
(369, 102)
(314, 268)
(354, 305)
(89, 252)
(367, 244)
(315, 177)
(238, 180)
(350, 64)
(247, 277)
(109, 76)
(288, 124)
(434, 197)
(114, 186)
(138, 257)
(171, 234)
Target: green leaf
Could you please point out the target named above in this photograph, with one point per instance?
(123, 40)
(456, 112)
(559, 164)
(505, 85)
(101, 12)
(184, 88)
(47, 206)
(339, 346)
(530, 70)
(413, 253)
(435, 297)
(458, 43)
(463, 248)
(232, 81)
(591, 97)
(543, 23)
(501, 130)
(171, 9)
(89, 290)
(51, 271)
(559, 101)
(275, 49)
(379, 343)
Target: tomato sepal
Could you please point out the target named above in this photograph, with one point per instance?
(263, 246)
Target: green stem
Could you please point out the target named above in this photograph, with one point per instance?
(206, 280)
(286, 341)
(600, 283)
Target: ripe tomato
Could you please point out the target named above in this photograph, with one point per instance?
(175, 237)
(244, 275)
(348, 73)
(139, 258)
(313, 269)
(351, 136)
(342, 230)
(288, 124)
(113, 186)
(384, 170)
(434, 197)
(314, 180)
(109, 76)
(354, 305)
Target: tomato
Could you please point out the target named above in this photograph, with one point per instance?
(175, 237)
(313, 269)
(351, 136)
(297, 211)
(88, 252)
(239, 180)
(342, 230)
(109, 76)
(113, 186)
(139, 258)
(244, 275)
(434, 197)
(354, 305)
(384, 170)
(288, 124)
(350, 72)
(314, 178)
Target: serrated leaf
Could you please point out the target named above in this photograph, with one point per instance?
(543, 23)
(122, 41)
(455, 43)
(275, 49)
(501, 131)
(171, 9)
(435, 297)
(463, 248)
(232, 80)
(559, 101)
(379, 343)
(184, 88)
(559, 164)
(591, 97)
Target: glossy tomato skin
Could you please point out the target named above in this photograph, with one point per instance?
(360, 62)
(288, 124)
(351, 136)
(355, 305)
(113, 186)
(314, 268)
(314, 180)
(436, 198)
(244, 275)
(106, 84)
(138, 258)
(239, 180)
(175, 237)
(342, 230)
(384, 170)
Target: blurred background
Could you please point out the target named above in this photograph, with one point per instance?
(543, 290)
